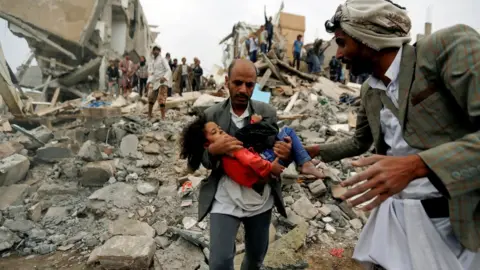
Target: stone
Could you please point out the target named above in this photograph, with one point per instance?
(188, 222)
(309, 135)
(37, 234)
(16, 212)
(43, 249)
(152, 148)
(22, 226)
(282, 254)
(307, 123)
(348, 210)
(90, 152)
(9, 148)
(327, 219)
(160, 227)
(13, 169)
(337, 191)
(329, 228)
(55, 215)
(146, 188)
(288, 200)
(325, 239)
(325, 210)
(180, 255)
(78, 237)
(57, 238)
(96, 174)
(130, 227)
(51, 189)
(120, 194)
(124, 252)
(356, 223)
(12, 195)
(162, 241)
(304, 208)
(128, 146)
(7, 238)
(53, 153)
(317, 188)
(42, 133)
(350, 234)
(294, 218)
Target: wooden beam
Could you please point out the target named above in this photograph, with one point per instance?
(265, 78)
(274, 69)
(296, 72)
(293, 99)
(53, 102)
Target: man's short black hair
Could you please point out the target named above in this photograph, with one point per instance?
(232, 65)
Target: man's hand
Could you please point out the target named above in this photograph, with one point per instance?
(385, 177)
(162, 80)
(277, 168)
(226, 145)
(282, 148)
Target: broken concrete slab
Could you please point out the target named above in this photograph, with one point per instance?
(7, 239)
(317, 188)
(152, 148)
(9, 148)
(13, 169)
(180, 255)
(90, 152)
(42, 133)
(125, 252)
(120, 194)
(95, 174)
(51, 189)
(21, 226)
(282, 254)
(35, 212)
(128, 146)
(304, 208)
(55, 215)
(53, 153)
(12, 195)
(130, 227)
(146, 188)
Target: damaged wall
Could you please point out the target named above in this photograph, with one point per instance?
(66, 18)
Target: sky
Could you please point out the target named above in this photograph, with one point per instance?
(193, 28)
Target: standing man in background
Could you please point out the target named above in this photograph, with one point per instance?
(158, 81)
(181, 77)
(253, 47)
(297, 51)
(262, 39)
(112, 77)
(269, 28)
(142, 74)
(197, 75)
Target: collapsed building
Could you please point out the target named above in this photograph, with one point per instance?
(72, 41)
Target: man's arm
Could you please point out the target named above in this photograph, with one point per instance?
(456, 164)
(359, 144)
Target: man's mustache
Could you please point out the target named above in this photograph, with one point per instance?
(242, 96)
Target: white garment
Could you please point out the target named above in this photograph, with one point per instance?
(399, 234)
(184, 69)
(159, 68)
(237, 200)
(253, 44)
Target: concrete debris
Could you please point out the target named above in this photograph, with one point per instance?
(124, 252)
(13, 169)
(97, 175)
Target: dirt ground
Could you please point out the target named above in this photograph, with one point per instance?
(318, 257)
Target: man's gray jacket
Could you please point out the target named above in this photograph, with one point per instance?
(220, 114)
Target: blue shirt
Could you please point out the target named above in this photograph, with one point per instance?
(297, 46)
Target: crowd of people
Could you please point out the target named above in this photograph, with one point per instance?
(125, 76)
(421, 116)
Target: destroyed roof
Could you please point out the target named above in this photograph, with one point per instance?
(32, 77)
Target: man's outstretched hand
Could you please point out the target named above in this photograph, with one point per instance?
(282, 149)
(224, 146)
(385, 177)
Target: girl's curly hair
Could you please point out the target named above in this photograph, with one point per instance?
(192, 142)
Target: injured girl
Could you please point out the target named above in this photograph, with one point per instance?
(256, 161)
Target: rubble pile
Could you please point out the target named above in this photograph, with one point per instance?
(110, 184)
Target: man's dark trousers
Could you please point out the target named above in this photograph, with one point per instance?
(223, 232)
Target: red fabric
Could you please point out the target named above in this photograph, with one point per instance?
(246, 167)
